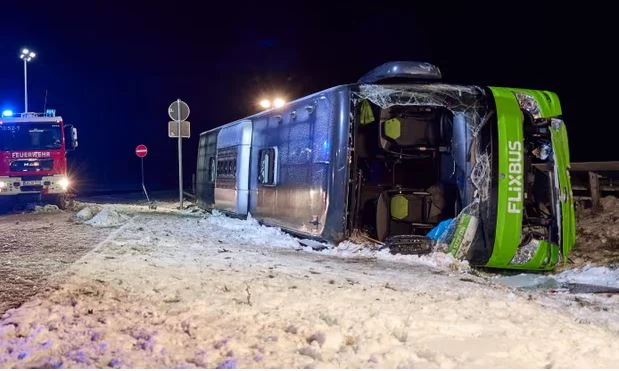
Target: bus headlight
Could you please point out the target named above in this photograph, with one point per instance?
(2, 185)
(529, 103)
(64, 183)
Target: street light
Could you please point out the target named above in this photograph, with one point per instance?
(26, 55)
(265, 103)
(278, 102)
(275, 103)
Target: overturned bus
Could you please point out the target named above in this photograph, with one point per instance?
(407, 161)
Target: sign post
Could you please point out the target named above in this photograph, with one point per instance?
(141, 151)
(179, 112)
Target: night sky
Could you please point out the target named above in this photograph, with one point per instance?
(112, 69)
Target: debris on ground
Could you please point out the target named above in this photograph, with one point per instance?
(597, 236)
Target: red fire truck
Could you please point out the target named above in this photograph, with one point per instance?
(33, 158)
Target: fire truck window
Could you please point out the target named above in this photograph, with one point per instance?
(29, 136)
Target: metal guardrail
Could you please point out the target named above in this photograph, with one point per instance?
(595, 166)
(600, 179)
(602, 176)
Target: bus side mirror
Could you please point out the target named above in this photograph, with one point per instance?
(70, 135)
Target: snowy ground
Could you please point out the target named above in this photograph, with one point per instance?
(170, 288)
(28, 261)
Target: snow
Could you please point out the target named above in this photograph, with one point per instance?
(550, 291)
(528, 281)
(46, 209)
(249, 231)
(600, 276)
(176, 288)
(588, 275)
(108, 217)
(161, 207)
(86, 213)
(243, 232)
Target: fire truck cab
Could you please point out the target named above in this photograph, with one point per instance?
(33, 158)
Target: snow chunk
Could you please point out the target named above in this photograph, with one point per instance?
(248, 231)
(46, 209)
(349, 248)
(86, 213)
(108, 217)
(435, 259)
(600, 276)
(528, 281)
(597, 276)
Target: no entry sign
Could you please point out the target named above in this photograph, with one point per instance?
(141, 150)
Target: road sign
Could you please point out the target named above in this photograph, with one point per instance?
(141, 150)
(173, 129)
(178, 110)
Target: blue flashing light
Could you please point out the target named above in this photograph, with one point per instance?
(7, 113)
(50, 112)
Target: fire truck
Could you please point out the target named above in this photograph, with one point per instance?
(33, 158)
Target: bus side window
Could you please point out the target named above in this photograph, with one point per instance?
(267, 159)
(211, 169)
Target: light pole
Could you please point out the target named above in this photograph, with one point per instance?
(26, 55)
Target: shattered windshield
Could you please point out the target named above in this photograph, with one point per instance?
(470, 153)
(464, 101)
(30, 136)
